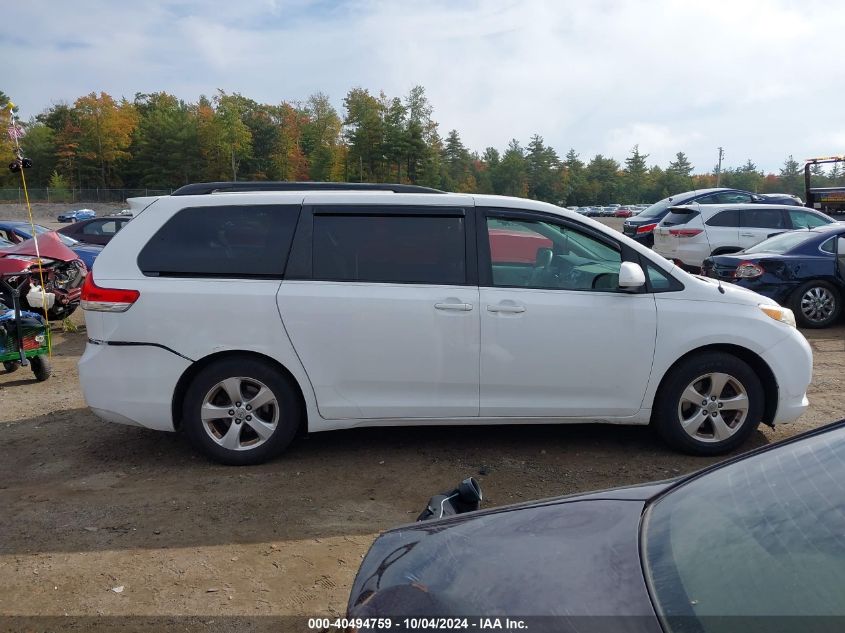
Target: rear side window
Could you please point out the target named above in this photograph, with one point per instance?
(224, 241)
(679, 216)
(728, 218)
(390, 249)
(763, 219)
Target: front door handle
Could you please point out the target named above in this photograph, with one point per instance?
(747, 234)
(460, 307)
(507, 309)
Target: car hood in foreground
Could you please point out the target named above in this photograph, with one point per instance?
(569, 557)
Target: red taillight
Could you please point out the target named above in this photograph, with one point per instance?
(97, 299)
(748, 270)
(646, 228)
(685, 232)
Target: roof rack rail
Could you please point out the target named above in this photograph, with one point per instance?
(205, 188)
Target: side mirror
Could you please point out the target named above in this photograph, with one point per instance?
(631, 275)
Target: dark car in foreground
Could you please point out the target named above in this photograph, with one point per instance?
(758, 536)
(18, 231)
(641, 227)
(96, 230)
(803, 270)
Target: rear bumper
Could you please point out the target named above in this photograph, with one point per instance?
(691, 255)
(791, 361)
(131, 384)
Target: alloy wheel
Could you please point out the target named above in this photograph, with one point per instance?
(240, 413)
(713, 407)
(818, 304)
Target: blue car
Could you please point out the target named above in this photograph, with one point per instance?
(803, 270)
(18, 231)
(76, 216)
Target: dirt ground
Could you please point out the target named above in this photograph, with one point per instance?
(98, 519)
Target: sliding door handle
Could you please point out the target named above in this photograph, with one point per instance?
(507, 309)
(460, 307)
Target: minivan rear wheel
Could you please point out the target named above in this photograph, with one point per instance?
(709, 404)
(241, 411)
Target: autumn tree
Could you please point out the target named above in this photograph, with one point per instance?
(105, 129)
(289, 160)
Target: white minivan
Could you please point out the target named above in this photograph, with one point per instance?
(243, 313)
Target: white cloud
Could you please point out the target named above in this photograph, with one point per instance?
(760, 77)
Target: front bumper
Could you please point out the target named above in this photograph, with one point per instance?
(791, 361)
(131, 384)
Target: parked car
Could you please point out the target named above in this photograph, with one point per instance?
(388, 309)
(755, 541)
(689, 234)
(16, 232)
(641, 228)
(607, 212)
(96, 230)
(804, 270)
(75, 216)
(623, 212)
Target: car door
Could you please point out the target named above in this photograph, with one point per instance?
(756, 224)
(558, 337)
(381, 305)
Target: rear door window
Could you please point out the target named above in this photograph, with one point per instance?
(381, 248)
(222, 241)
(763, 219)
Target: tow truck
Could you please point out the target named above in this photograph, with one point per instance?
(830, 200)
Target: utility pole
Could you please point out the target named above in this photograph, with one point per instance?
(719, 168)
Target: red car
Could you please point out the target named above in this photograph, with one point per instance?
(623, 212)
(516, 247)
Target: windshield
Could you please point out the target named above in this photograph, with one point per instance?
(764, 536)
(782, 243)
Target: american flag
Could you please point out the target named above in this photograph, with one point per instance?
(15, 132)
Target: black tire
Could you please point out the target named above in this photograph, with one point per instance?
(669, 404)
(823, 289)
(287, 409)
(41, 368)
(11, 366)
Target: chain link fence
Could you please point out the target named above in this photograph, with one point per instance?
(46, 194)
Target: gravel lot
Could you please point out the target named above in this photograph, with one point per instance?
(90, 507)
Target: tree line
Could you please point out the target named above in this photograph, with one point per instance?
(160, 141)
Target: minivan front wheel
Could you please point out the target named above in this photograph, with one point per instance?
(709, 404)
(240, 411)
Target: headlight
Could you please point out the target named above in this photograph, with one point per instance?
(784, 315)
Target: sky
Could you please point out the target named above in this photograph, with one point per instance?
(761, 78)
